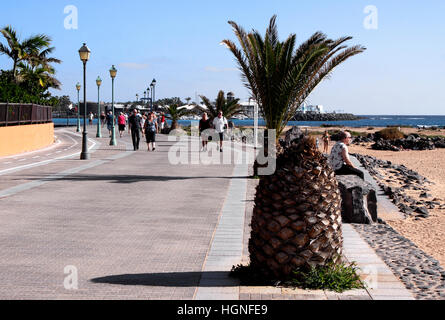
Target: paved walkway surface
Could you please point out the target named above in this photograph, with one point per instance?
(131, 225)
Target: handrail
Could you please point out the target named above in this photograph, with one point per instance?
(15, 114)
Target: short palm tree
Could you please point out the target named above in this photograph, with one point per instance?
(281, 76)
(174, 113)
(25, 50)
(296, 221)
(229, 108)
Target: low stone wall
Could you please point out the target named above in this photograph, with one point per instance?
(19, 139)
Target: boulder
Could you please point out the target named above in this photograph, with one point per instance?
(359, 200)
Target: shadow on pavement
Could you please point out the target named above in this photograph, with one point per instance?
(125, 179)
(174, 279)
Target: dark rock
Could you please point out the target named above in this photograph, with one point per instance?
(359, 200)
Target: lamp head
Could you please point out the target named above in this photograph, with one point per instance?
(98, 81)
(113, 72)
(78, 86)
(84, 53)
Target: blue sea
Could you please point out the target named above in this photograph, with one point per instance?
(368, 121)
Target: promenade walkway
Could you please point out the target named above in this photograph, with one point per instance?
(130, 225)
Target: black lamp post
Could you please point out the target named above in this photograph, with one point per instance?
(84, 54)
(147, 102)
(153, 87)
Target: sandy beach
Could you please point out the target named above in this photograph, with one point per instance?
(428, 234)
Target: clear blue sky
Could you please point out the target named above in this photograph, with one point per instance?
(178, 43)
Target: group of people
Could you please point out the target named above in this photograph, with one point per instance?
(147, 124)
(219, 124)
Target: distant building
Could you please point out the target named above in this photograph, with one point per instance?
(249, 108)
(311, 108)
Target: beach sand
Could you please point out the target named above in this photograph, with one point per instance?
(428, 234)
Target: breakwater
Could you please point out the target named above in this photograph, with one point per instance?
(325, 117)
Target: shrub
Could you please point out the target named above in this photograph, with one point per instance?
(334, 277)
(390, 134)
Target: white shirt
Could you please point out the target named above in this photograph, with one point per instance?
(218, 124)
(336, 157)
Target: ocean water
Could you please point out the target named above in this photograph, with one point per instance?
(368, 121)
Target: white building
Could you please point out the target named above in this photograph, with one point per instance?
(310, 108)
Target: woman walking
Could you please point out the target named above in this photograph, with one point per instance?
(121, 121)
(150, 129)
(326, 138)
(204, 124)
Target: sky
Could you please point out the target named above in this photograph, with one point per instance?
(178, 43)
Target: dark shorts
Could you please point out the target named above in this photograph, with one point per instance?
(110, 127)
(347, 170)
(150, 136)
(122, 127)
(221, 136)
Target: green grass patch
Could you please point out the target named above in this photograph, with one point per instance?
(333, 277)
(338, 277)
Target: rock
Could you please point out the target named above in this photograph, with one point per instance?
(359, 200)
(293, 134)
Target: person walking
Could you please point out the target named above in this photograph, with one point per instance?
(150, 129)
(326, 138)
(102, 119)
(339, 158)
(110, 122)
(134, 127)
(204, 125)
(220, 124)
(162, 122)
(90, 118)
(121, 123)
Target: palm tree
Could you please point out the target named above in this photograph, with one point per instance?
(43, 75)
(174, 113)
(281, 77)
(22, 51)
(188, 100)
(296, 221)
(38, 68)
(229, 108)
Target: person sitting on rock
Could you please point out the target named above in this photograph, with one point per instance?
(339, 158)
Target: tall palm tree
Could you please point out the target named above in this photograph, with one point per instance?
(174, 113)
(229, 108)
(297, 215)
(281, 76)
(24, 50)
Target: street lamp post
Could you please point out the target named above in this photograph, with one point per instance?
(78, 86)
(84, 54)
(147, 102)
(137, 98)
(98, 82)
(113, 73)
(153, 85)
